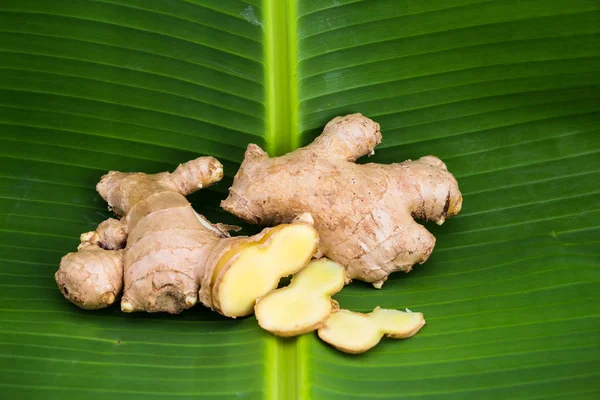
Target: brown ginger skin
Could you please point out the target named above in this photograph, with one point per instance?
(157, 272)
(364, 214)
(161, 250)
(92, 278)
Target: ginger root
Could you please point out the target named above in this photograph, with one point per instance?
(166, 256)
(92, 278)
(356, 333)
(303, 305)
(364, 213)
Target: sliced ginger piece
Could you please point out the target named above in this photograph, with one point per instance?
(303, 305)
(257, 269)
(356, 333)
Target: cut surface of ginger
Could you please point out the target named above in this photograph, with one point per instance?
(303, 305)
(355, 333)
(258, 268)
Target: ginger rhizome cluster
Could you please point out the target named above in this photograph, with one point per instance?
(364, 213)
(166, 257)
(160, 255)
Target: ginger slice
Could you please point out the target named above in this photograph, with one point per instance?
(257, 269)
(356, 333)
(303, 305)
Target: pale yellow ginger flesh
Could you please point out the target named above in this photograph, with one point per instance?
(303, 305)
(258, 269)
(364, 213)
(355, 333)
(164, 255)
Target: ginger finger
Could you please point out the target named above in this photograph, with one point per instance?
(111, 234)
(92, 278)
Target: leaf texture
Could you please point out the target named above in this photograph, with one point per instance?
(505, 92)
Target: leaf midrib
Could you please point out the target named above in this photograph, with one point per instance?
(281, 78)
(284, 361)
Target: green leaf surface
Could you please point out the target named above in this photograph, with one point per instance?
(505, 92)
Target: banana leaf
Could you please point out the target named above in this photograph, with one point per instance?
(506, 92)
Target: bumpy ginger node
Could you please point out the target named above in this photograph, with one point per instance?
(364, 213)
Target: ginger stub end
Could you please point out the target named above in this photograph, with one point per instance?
(257, 267)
